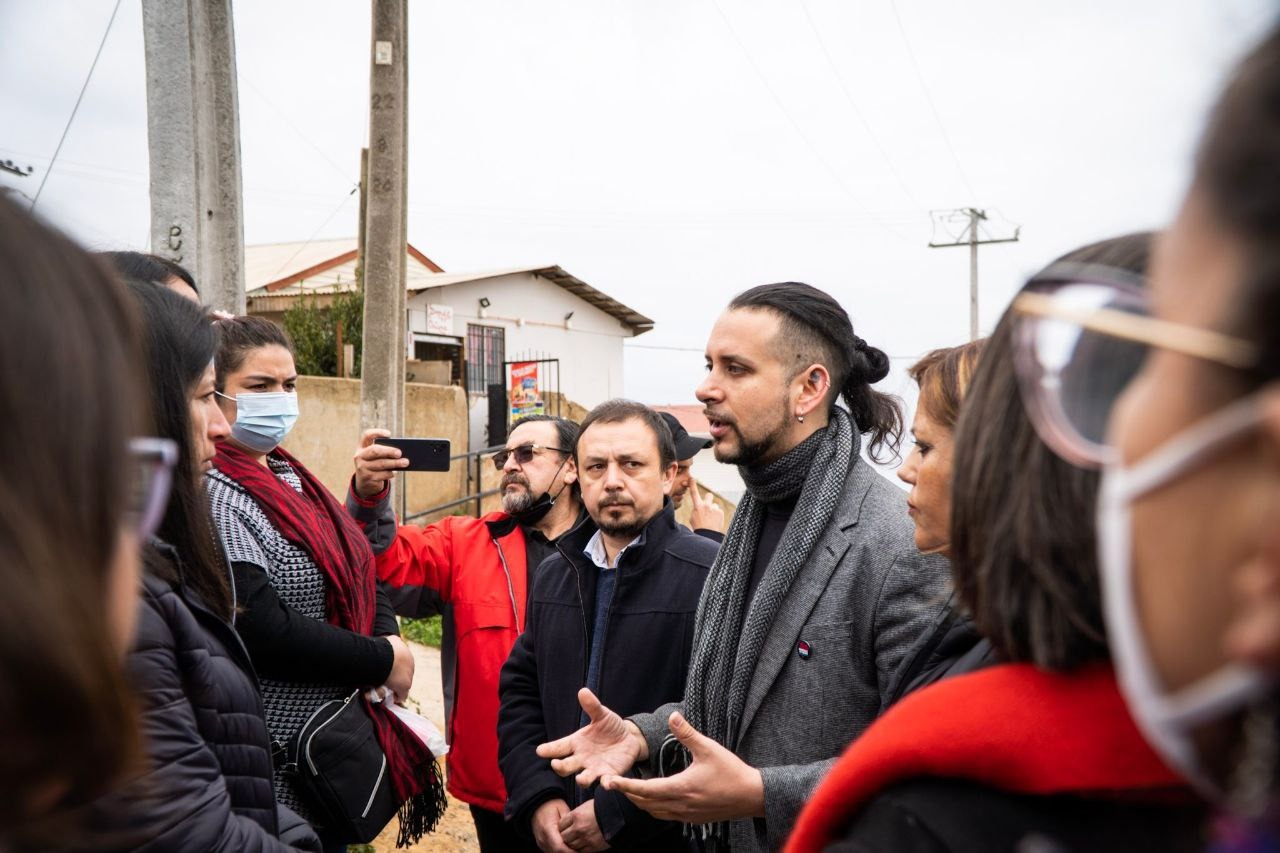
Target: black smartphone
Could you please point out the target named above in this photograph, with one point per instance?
(424, 454)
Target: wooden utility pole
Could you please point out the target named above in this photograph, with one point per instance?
(972, 238)
(386, 217)
(193, 135)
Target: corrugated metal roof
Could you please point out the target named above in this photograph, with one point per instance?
(271, 262)
(329, 266)
(556, 275)
(320, 266)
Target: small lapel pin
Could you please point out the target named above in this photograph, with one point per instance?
(803, 650)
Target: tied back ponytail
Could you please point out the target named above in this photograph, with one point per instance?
(816, 329)
(877, 414)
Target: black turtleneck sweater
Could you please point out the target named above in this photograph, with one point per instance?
(777, 487)
(776, 516)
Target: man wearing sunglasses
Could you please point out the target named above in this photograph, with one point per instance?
(476, 572)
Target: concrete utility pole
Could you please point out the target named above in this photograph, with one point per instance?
(386, 219)
(972, 238)
(193, 132)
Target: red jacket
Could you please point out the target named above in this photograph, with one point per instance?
(474, 572)
(1011, 727)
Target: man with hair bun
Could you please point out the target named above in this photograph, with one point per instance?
(816, 594)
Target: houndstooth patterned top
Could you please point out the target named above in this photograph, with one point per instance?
(248, 537)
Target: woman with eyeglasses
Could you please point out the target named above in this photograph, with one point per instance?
(68, 541)
(1035, 751)
(205, 782)
(1186, 428)
(311, 616)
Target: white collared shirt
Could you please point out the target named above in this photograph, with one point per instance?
(595, 550)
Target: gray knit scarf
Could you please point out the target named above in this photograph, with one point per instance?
(726, 645)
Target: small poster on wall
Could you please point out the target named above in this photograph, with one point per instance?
(526, 399)
(440, 319)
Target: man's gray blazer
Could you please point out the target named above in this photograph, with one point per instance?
(832, 652)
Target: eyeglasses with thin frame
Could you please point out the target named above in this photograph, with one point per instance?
(523, 453)
(1082, 333)
(150, 476)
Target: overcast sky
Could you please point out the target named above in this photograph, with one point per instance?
(674, 152)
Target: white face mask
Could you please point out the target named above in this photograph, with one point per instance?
(1167, 719)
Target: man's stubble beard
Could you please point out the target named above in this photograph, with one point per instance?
(750, 453)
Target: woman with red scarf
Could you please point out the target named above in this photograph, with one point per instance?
(311, 615)
(1037, 751)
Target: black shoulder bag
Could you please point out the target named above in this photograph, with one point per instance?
(340, 767)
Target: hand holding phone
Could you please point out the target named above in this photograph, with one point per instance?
(424, 454)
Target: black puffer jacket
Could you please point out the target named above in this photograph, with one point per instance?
(208, 783)
(646, 651)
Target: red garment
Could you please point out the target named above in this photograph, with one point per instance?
(478, 566)
(315, 522)
(1010, 727)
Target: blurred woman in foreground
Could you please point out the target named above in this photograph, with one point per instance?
(73, 499)
(1037, 747)
(1190, 504)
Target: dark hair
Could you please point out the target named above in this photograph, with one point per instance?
(1238, 169)
(141, 266)
(1023, 542)
(566, 437)
(180, 345)
(618, 411)
(566, 430)
(70, 398)
(943, 376)
(816, 330)
(239, 336)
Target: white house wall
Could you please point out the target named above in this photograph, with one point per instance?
(590, 352)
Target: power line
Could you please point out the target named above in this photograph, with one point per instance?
(924, 88)
(316, 233)
(848, 96)
(76, 108)
(279, 112)
(813, 149)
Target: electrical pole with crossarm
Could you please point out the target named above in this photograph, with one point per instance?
(971, 237)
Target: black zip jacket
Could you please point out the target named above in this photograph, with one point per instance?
(647, 643)
(207, 783)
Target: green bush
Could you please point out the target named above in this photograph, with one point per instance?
(314, 332)
(424, 631)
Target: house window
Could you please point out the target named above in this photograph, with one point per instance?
(486, 350)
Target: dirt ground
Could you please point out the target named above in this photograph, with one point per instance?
(456, 833)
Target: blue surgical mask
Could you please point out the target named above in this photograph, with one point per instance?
(263, 420)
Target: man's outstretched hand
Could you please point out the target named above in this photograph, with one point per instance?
(716, 786)
(608, 744)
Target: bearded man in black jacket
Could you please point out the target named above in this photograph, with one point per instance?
(612, 612)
